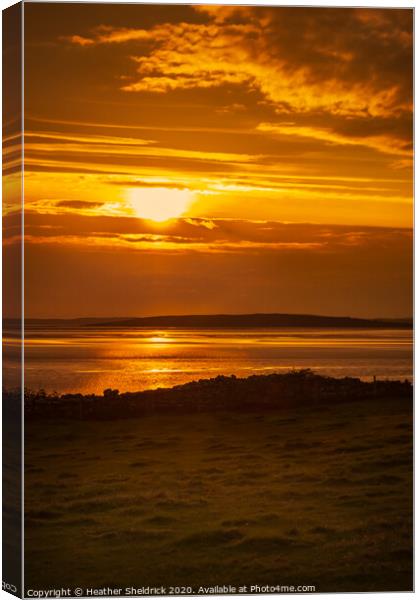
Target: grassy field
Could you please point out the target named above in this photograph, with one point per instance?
(311, 496)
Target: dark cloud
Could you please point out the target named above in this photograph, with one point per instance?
(137, 183)
(239, 234)
(347, 51)
(346, 68)
(78, 204)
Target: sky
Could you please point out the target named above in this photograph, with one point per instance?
(208, 159)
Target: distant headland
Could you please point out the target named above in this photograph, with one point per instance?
(234, 321)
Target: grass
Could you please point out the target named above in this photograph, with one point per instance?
(311, 496)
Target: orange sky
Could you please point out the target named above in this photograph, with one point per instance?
(277, 140)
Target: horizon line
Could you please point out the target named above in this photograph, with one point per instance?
(217, 314)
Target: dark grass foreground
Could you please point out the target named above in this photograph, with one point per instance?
(312, 492)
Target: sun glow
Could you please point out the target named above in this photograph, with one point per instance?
(157, 339)
(160, 204)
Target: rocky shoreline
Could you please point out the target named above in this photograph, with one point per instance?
(255, 393)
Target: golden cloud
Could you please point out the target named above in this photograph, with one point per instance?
(327, 74)
(383, 143)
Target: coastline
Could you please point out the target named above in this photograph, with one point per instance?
(255, 393)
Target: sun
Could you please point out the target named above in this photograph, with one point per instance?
(160, 204)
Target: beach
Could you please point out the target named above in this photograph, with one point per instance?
(308, 494)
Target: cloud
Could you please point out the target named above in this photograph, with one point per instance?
(345, 62)
(385, 143)
(12, 151)
(143, 183)
(80, 40)
(342, 76)
(53, 143)
(204, 235)
(206, 223)
(221, 14)
(79, 204)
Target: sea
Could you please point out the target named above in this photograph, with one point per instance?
(87, 359)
